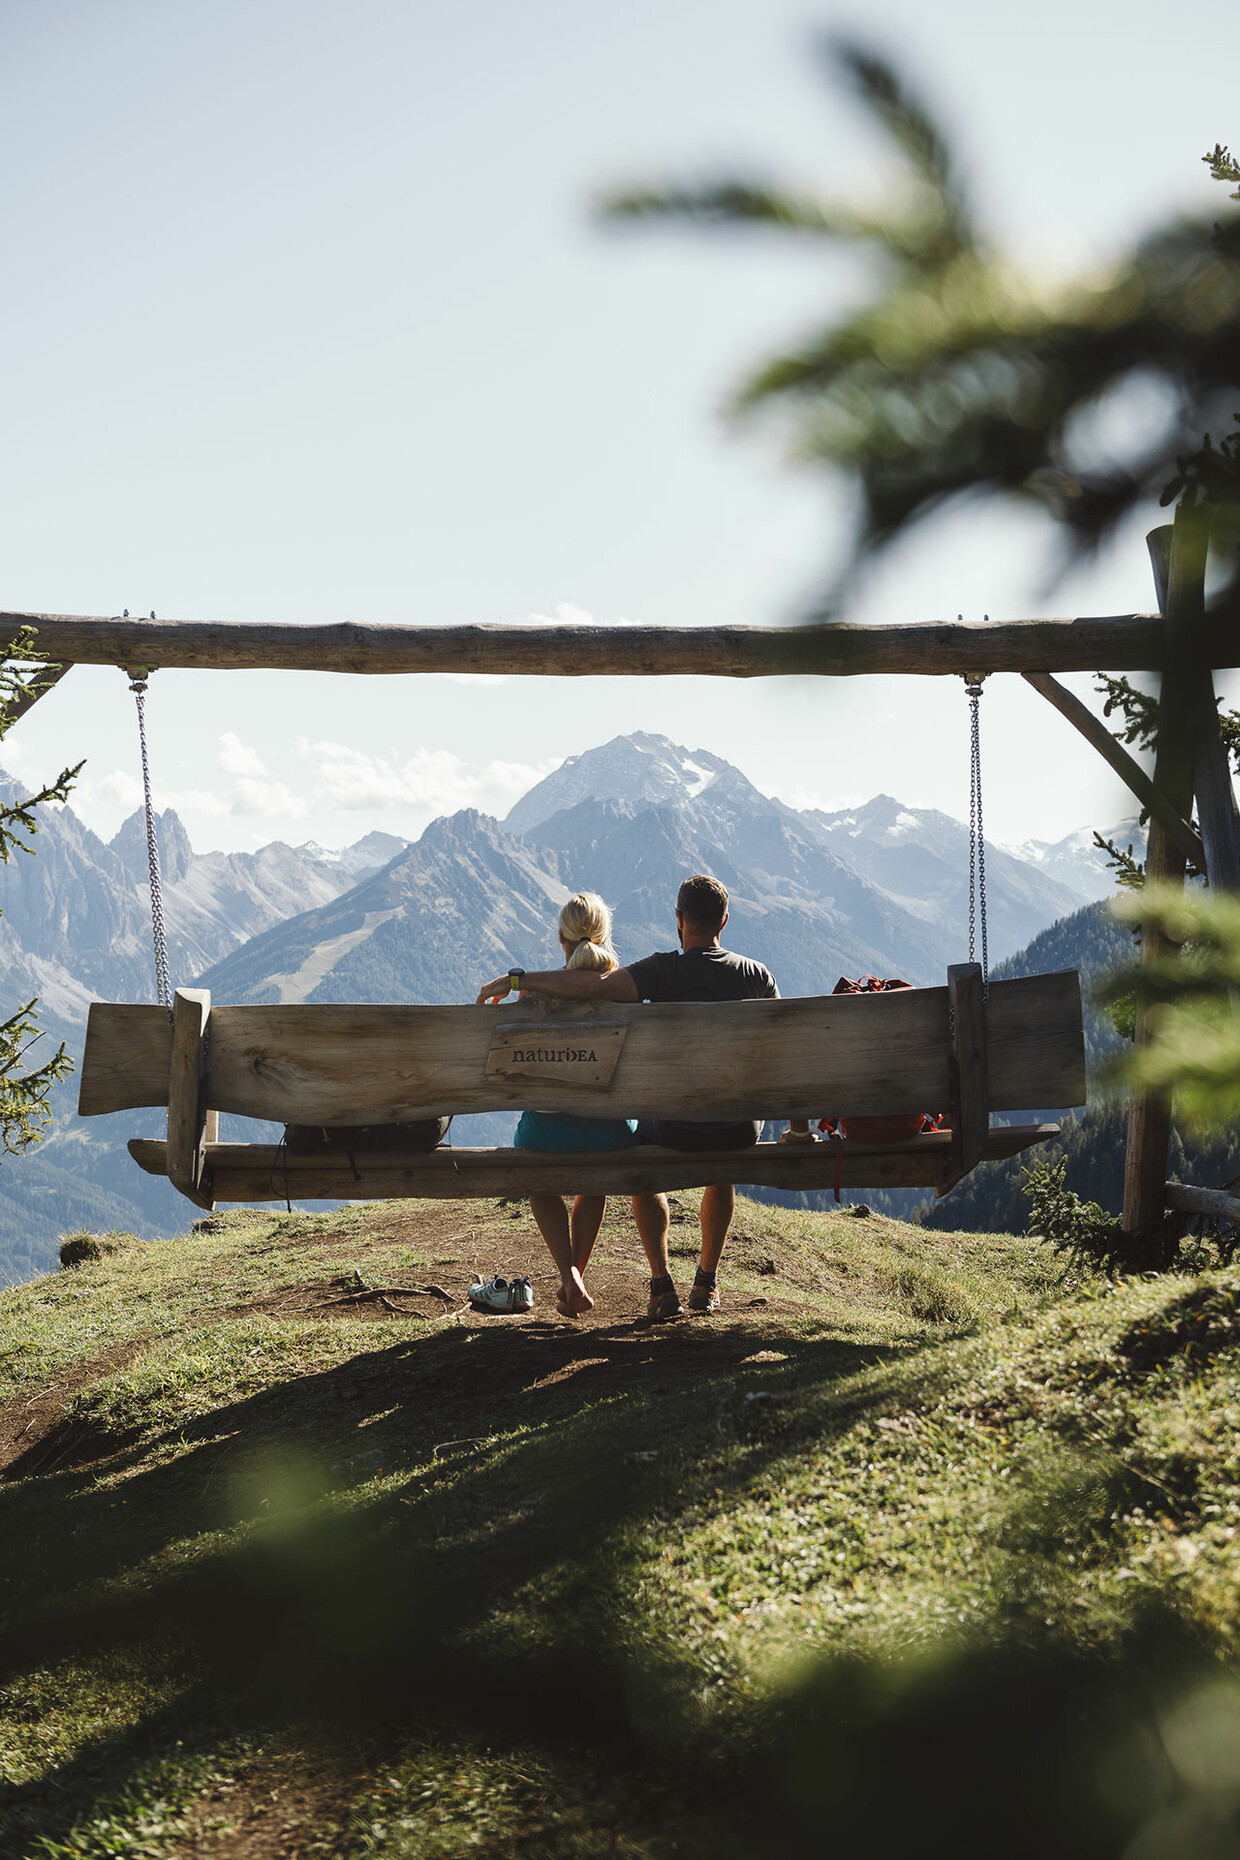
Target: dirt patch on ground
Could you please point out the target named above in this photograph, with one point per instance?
(36, 1436)
(618, 1296)
(617, 1280)
(283, 1808)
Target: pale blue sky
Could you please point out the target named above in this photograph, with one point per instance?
(305, 318)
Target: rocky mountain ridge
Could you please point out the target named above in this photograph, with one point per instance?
(76, 921)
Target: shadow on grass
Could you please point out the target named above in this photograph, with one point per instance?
(537, 1454)
(533, 1452)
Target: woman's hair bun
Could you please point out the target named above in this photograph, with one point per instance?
(585, 924)
(587, 955)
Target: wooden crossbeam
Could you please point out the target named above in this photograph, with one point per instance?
(1120, 642)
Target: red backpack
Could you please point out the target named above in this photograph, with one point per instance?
(903, 1124)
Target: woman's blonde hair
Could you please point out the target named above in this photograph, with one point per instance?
(585, 925)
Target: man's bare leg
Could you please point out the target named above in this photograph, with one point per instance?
(587, 1218)
(653, 1219)
(715, 1218)
(552, 1217)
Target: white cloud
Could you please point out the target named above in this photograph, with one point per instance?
(237, 758)
(198, 801)
(567, 613)
(118, 787)
(273, 799)
(430, 779)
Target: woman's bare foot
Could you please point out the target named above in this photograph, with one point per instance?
(572, 1299)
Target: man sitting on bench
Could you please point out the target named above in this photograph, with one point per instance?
(700, 970)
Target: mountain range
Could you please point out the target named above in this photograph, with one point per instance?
(879, 889)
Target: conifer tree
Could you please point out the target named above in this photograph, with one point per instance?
(25, 1087)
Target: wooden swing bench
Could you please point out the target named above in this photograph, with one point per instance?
(347, 1067)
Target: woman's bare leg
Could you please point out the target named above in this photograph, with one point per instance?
(587, 1218)
(552, 1217)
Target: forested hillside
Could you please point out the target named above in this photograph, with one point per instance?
(1092, 1144)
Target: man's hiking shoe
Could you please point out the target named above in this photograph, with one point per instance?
(664, 1305)
(703, 1299)
(499, 1296)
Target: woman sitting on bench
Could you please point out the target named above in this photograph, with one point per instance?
(585, 938)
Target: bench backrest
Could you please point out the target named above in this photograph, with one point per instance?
(844, 1054)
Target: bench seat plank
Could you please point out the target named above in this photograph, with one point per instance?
(267, 1172)
(852, 1055)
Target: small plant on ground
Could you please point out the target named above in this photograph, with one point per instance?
(1083, 1230)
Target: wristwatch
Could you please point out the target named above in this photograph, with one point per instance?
(515, 978)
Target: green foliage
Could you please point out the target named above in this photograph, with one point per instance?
(24, 1090)
(1139, 709)
(1195, 985)
(1209, 477)
(1229, 730)
(1129, 872)
(1081, 1229)
(24, 1111)
(960, 375)
(993, 1198)
(1223, 166)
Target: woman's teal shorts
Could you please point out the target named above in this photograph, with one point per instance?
(563, 1130)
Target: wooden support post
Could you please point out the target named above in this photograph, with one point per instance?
(1216, 798)
(1212, 783)
(187, 1120)
(966, 1007)
(1125, 766)
(1149, 1113)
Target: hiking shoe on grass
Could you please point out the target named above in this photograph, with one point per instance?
(703, 1299)
(501, 1296)
(664, 1305)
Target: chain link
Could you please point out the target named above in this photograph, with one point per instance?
(163, 980)
(977, 835)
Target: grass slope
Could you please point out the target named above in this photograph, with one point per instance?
(919, 1546)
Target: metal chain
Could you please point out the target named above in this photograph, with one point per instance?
(977, 835)
(163, 980)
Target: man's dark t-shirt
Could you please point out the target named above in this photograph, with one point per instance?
(700, 975)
